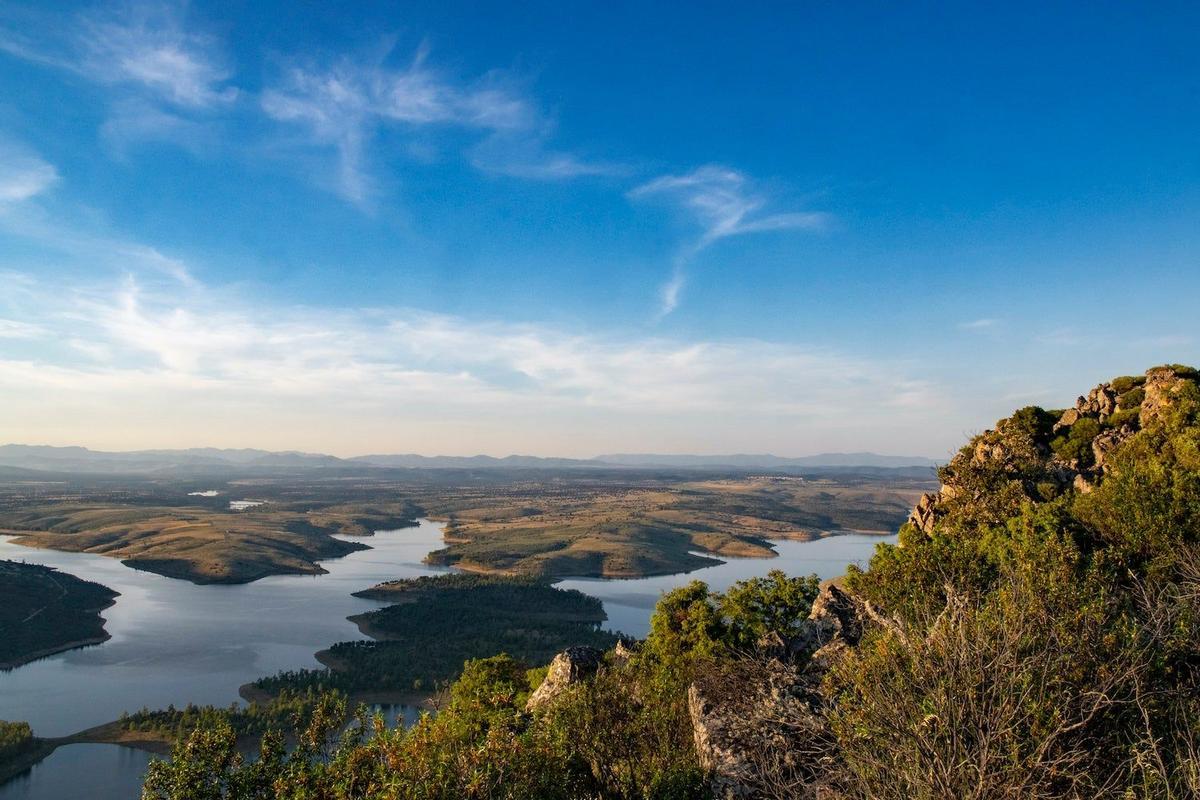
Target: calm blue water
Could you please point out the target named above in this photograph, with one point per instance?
(630, 602)
(174, 642)
(82, 771)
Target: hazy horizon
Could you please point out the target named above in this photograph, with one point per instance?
(472, 454)
(820, 229)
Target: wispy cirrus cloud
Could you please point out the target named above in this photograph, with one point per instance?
(23, 174)
(150, 46)
(523, 155)
(14, 329)
(341, 104)
(150, 348)
(168, 78)
(143, 45)
(984, 324)
(723, 203)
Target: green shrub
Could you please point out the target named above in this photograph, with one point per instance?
(692, 621)
(15, 738)
(1032, 421)
(1131, 399)
(1126, 382)
(1076, 444)
(1123, 417)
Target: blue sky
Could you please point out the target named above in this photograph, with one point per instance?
(567, 229)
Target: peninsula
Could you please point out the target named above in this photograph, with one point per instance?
(44, 611)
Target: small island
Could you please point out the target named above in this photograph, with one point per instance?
(435, 623)
(44, 611)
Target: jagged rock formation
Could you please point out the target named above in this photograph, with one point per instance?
(1037, 455)
(759, 723)
(568, 668)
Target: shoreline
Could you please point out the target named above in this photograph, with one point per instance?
(101, 635)
(27, 760)
(37, 655)
(106, 733)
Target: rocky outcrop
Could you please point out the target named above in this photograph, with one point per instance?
(1162, 386)
(924, 514)
(1100, 402)
(759, 723)
(1037, 455)
(573, 665)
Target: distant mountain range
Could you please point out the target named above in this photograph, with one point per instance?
(205, 459)
(751, 461)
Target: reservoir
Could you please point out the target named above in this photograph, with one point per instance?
(174, 642)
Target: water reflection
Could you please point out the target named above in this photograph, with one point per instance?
(109, 772)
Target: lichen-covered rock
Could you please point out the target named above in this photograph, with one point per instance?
(1069, 418)
(568, 668)
(1161, 386)
(924, 514)
(759, 727)
(759, 723)
(624, 650)
(836, 615)
(1100, 402)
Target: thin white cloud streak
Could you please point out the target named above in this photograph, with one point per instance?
(521, 157)
(136, 120)
(132, 346)
(12, 329)
(23, 174)
(979, 324)
(670, 291)
(26, 221)
(724, 204)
